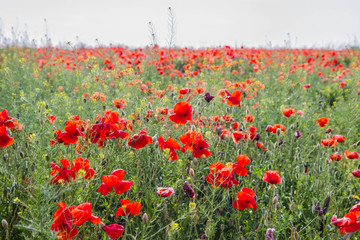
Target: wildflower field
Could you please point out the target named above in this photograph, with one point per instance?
(157, 143)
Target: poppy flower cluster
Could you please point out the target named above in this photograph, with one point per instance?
(223, 175)
(80, 166)
(67, 219)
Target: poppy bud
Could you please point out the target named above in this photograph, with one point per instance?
(22, 155)
(4, 224)
(294, 234)
(292, 206)
(195, 161)
(312, 136)
(46, 106)
(101, 225)
(18, 115)
(84, 100)
(188, 190)
(328, 130)
(278, 131)
(358, 143)
(145, 218)
(292, 126)
(208, 97)
(104, 107)
(297, 134)
(156, 144)
(281, 142)
(192, 172)
(275, 200)
(5, 157)
(318, 146)
(270, 234)
(155, 138)
(278, 206)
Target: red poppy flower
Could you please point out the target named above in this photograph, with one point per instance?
(241, 162)
(170, 144)
(194, 142)
(238, 135)
(52, 119)
(223, 174)
(71, 134)
(272, 177)
(306, 86)
(233, 99)
(140, 140)
(351, 155)
(114, 180)
(249, 118)
(81, 166)
(182, 113)
(7, 121)
(335, 157)
(114, 230)
(356, 173)
(329, 142)
(83, 213)
(5, 140)
(348, 223)
(128, 208)
(288, 112)
(64, 223)
(322, 122)
(339, 138)
(164, 192)
(245, 199)
(63, 175)
(119, 103)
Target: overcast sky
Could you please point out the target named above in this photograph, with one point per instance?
(199, 23)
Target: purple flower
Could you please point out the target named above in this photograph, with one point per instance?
(208, 97)
(188, 190)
